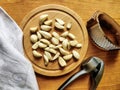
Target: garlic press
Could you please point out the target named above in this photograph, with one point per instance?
(93, 66)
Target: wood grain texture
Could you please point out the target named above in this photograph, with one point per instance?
(111, 77)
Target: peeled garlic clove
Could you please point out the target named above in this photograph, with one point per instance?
(60, 21)
(45, 34)
(55, 41)
(71, 36)
(62, 62)
(46, 60)
(36, 54)
(65, 34)
(52, 46)
(73, 43)
(79, 45)
(68, 26)
(56, 35)
(51, 50)
(47, 49)
(39, 35)
(48, 22)
(65, 44)
(76, 54)
(56, 56)
(45, 41)
(59, 26)
(63, 52)
(69, 46)
(61, 39)
(67, 57)
(46, 28)
(49, 56)
(41, 45)
(33, 29)
(58, 46)
(33, 38)
(43, 18)
(35, 45)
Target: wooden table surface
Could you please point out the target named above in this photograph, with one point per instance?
(17, 9)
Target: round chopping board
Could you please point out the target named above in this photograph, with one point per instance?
(78, 29)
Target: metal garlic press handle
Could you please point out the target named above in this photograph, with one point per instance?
(72, 78)
(96, 75)
(88, 66)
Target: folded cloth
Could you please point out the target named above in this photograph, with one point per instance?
(16, 72)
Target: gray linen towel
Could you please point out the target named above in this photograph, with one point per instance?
(16, 72)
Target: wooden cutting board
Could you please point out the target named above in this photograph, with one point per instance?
(78, 29)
